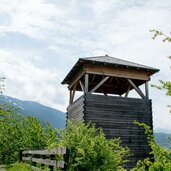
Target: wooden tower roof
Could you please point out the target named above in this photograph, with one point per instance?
(107, 61)
(107, 75)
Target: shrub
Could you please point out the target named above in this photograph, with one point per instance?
(90, 150)
(17, 131)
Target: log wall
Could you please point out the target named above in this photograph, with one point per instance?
(75, 111)
(115, 115)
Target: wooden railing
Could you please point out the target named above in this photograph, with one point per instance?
(44, 157)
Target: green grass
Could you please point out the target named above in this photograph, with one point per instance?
(18, 167)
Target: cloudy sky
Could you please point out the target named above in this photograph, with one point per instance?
(40, 40)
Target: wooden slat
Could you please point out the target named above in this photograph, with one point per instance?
(61, 150)
(49, 162)
(98, 85)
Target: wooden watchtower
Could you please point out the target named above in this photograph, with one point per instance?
(106, 82)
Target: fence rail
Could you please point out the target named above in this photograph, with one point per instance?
(44, 157)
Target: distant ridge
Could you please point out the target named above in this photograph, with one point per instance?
(44, 113)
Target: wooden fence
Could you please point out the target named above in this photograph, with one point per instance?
(44, 157)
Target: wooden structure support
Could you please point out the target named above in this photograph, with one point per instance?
(146, 90)
(137, 89)
(129, 87)
(98, 85)
(86, 82)
(82, 86)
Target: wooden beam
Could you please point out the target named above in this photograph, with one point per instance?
(70, 95)
(93, 77)
(98, 85)
(117, 80)
(82, 86)
(129, 87)
(86, 83)
(76, 78)
(73, 92)
(146, 90)
(111, 79)
(137, 89)
(118, 72)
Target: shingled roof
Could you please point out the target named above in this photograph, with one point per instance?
(108, 61)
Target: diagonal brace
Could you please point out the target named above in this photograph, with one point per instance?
(98, 85)
(137, 89)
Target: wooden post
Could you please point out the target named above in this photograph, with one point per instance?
(73, 92)
(70, 95)
(20, 155)
(66, 159)
(86, 83)
(51, 168)
(146, 90)
(129, 87)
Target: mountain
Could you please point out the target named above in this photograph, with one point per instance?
(162, 139)
(44, 113)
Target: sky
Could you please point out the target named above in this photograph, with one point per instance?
(40, 41)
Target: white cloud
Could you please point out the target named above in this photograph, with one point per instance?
(33, 18)
(26, 81)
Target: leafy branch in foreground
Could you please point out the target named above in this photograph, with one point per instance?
(159, 33)
(162, 157)
(164, 85)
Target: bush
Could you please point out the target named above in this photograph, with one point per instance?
(89, 150)
(17, 131)
(87, 146)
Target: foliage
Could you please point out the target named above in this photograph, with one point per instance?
(18, 167)
(160, 33)
(89, 149)
(17, 131)
(162, 157)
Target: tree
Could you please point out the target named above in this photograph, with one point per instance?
(17, 131)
